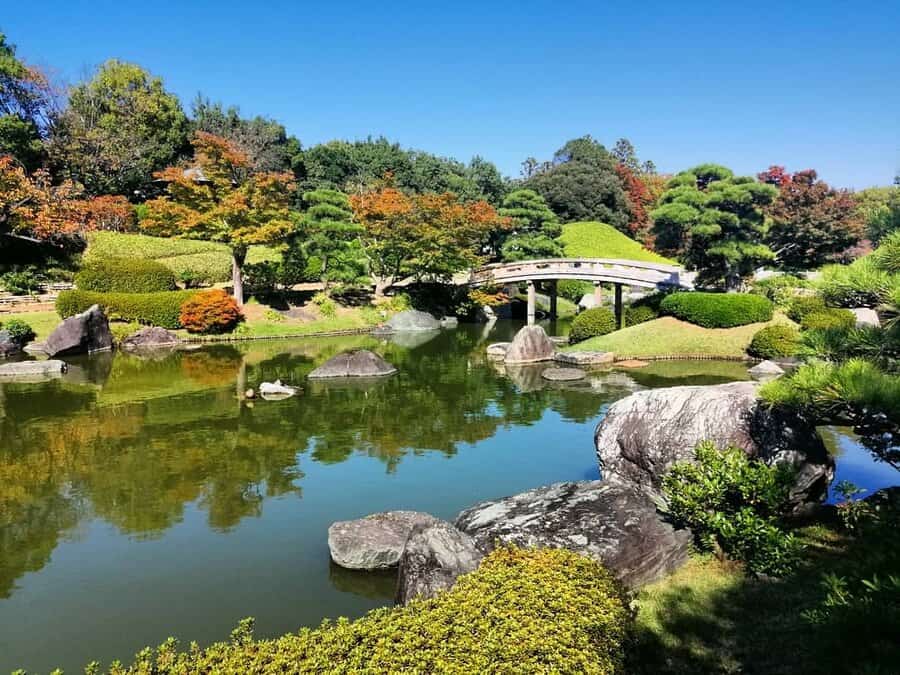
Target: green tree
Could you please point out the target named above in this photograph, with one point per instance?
(119, 127)
(26, 104)
(581, 183)
(534, 228)
(880, 209)
(714, 221)
(330, 238)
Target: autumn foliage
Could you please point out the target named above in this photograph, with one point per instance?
(210, 312)
(640, 200)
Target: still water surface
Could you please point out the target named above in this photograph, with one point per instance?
(142, 498)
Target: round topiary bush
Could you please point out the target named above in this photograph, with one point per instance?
(591, 323)
(521, 611)
(125, 275)
(639, 314)
(210, 312)
(573, 289)
(802, 305)
(20, 332)
(718, 310)
(829, 318)
(774, 342)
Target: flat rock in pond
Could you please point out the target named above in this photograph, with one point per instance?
(80, 334)
(584, 358)
(498, 349)
(563, 374)
(644, 434)
(150, 337)
(434, 556)
(449, 322)
(612, 522)
(766, 370)
(361, 363)
(413, 319)
(32, 370)
(374, 542)
(530, 345)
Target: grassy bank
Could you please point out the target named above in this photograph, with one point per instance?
(42, 323)
(668, 336)
(591, 239)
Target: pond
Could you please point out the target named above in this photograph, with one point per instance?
(142, 498)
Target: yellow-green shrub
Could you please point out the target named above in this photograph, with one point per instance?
(125, 275)
(591, 323)
(152, 309)
(521, 611)
(718, 310)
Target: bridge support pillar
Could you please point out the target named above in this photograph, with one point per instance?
(532, 301)
(620, 310)
(552, 290)
(598, 294)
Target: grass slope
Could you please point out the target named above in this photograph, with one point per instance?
(667, 336)
(599, 240)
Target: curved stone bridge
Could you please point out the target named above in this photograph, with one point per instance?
(597, 270)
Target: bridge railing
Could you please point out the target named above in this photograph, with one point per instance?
(612, 270)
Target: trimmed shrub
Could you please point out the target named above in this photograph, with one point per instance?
(636, 314)
(735, 504)
(210, 312)
(718, 310)
(802, 305)
(326, 305)
(521, 611)
(152, 309)
(591, 323)
(774, 341)
(20, 332)
(573, 290)
(125, 275)
(780, 289)
(829, 318)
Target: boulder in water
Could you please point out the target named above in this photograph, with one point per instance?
(530, 345)
(413, 319)
(563, 374)
(80, 334)
(32, 370)
(498, 349)
(584, 358)
(374, 542)
(361, 363)
(433, 557)
(765, 371)
(8, 345)
(150, 337)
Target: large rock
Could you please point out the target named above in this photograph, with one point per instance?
(374, 542)
(413, 319)
(361, 363)
(612, 522)
(644, 434)
(866, 317)
(765, 371)
(434, 556)
(8, 345)
(80, 334)
(32, 370)
(150, 337)
(530, 345)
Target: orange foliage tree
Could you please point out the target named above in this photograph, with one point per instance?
(426, 236)
(221, 199)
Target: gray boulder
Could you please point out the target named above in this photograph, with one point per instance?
(584, 358)
(150, 337)
(32, 370)
(374, 542)
(449, 322)
(765, 371)
(563, 374)
(80, 334)
(8, 345)
(434, 556)
(611, 522)
(530, 345)
(644, 434)
(413, 319)
(361, 363)
(866, 317)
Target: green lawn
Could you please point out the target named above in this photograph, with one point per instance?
(667, 336)
(41, 323)
(599, 240)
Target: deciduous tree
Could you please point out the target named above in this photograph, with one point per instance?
(220, 200)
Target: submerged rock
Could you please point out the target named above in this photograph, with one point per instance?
(32, 370)
(644, 434)
(150, 337)
(563, 374)
(374, 542)
(433, 557)
(413, 319)
(612, 522)
(530, 345)
(80, 334)
(361, 363)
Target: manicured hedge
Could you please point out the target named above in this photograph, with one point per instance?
(718, 310)
(636, 314)
(521, 611)
(125, 275)
(774, 341)
(154, 309)
(829, 318)
(591, 323)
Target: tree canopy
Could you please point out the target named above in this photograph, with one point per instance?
(534, 227)
(330, 239)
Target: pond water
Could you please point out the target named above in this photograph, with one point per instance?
(142, 498)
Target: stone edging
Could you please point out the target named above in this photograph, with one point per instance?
(686, 357)
(245, 338)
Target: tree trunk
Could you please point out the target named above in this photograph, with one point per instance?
(381, 285)
(238, 255)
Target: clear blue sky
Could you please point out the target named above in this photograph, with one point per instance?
(743, 84)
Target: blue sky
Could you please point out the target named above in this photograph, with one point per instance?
(742, 84)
